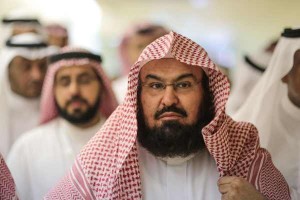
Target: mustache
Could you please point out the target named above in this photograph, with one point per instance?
(35, 83)
(76, 98)
(170, 109)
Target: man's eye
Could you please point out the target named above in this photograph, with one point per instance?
(185, 84)
(43, 67)
(25, 67)
(64, 82)
(84, 80)
(156, 85)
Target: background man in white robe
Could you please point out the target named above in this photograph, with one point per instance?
(131, 46)
(76, 100)
(273, 107)
(22, 71)
(57, 35)
(17, 22)
(246, 75)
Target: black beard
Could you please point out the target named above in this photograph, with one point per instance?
(79, 117)
(172, 138)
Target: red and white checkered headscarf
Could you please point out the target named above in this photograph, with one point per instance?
(107, 168)
(48, 107)
(7, 185)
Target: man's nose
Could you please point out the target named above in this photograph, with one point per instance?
(37, 73)
(169, 96)
(74, 88)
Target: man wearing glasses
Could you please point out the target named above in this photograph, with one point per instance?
(171, 139)
(76, 101)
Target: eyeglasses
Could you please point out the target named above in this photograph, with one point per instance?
(180, 86)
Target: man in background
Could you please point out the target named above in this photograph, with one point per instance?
(132, 44)
(274, 108)
(76, 101)
(22, 71)
(247, 74)
(57, 35)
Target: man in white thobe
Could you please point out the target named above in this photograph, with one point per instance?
(76, 100)
(171, 139)
(22, 71)
(132, 43)
(274, 108)
(18, 22)
(247, 74)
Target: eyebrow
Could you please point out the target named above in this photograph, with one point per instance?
(61, 77)
(186, 76)
(85, 74)
(152, 76)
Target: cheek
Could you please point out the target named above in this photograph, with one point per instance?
(60, 98)
(91, 93)
(191, 105)
(43, 73)
(150, 105)
(294, 84)
(297, 83)
(22, 83)
(24, 80)
(15, 77)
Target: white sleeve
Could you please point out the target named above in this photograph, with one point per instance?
(295, 194)
(17, 162)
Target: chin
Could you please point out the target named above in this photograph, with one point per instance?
(32, 96)
(160, 122)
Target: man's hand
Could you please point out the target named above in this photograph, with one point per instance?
(236, 188)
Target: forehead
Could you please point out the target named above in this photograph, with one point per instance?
(23, 59)
(169, 68)
(139, 38)
(75, 70)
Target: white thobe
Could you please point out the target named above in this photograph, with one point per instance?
(194, 179)
(17, 113)
(120, 88)
(20, 116)
(24, 115)
(283, 142)
(245, 78)
(43, 155)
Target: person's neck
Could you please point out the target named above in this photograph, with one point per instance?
(90, 123)
(178, 160)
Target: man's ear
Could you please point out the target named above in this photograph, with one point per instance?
(285, 79)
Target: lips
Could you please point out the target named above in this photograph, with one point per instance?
(170, 111)
(170, 116)
(76, 104)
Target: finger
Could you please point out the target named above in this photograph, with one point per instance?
(226, 180)
(224, 188)
(225, 197)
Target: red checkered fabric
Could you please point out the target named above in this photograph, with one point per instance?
(48, 107)
(107, 168)
(7, 185)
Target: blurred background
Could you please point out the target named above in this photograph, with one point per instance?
(226, 29)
